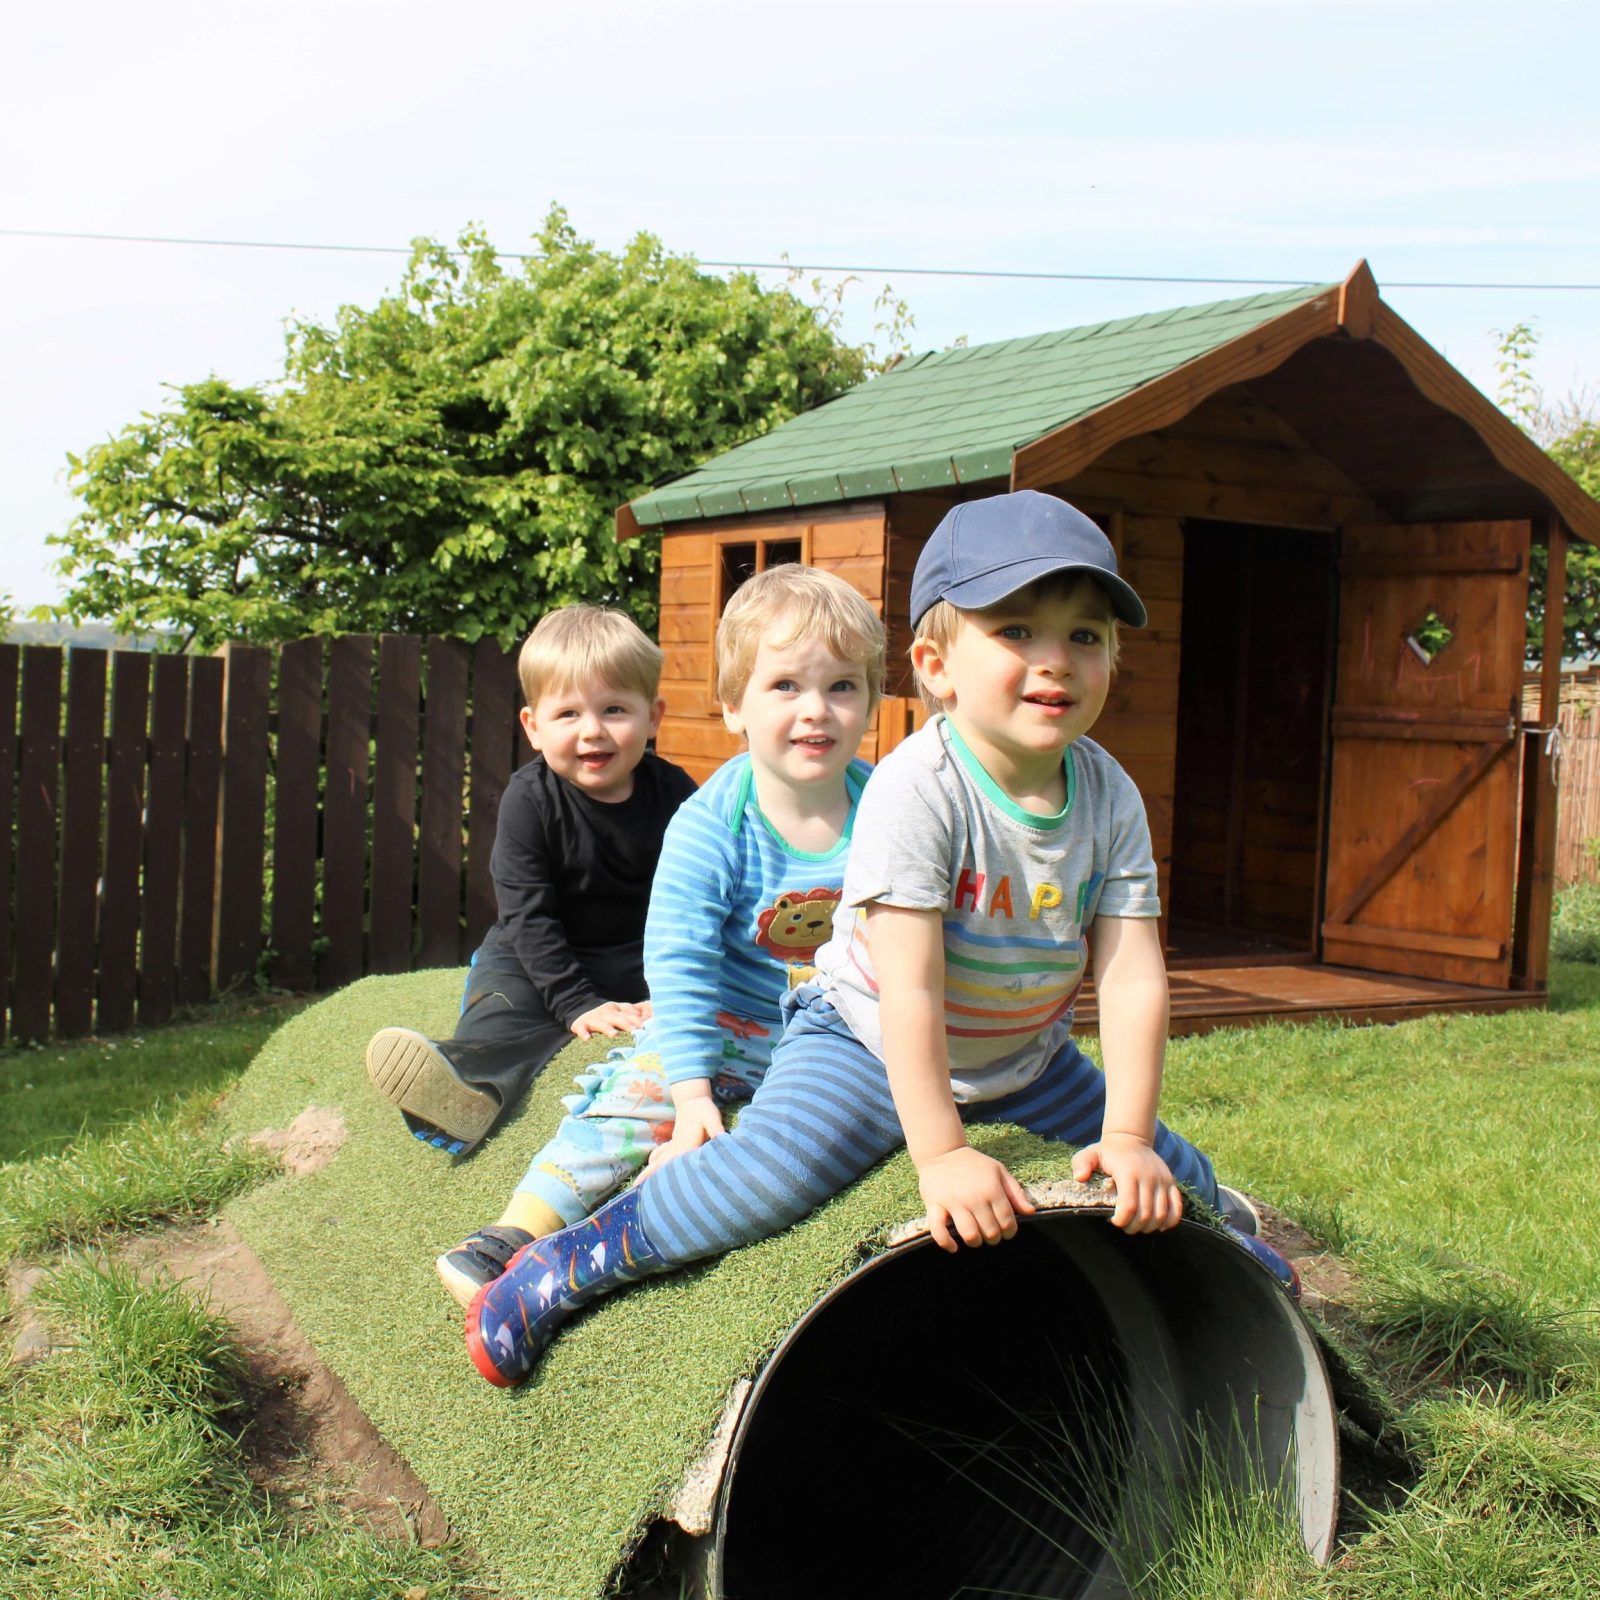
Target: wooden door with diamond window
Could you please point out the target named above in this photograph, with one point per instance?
(1422, 813)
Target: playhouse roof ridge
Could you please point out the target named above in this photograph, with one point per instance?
(1084, 331)
(954, 416)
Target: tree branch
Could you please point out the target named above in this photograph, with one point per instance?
(294, 535)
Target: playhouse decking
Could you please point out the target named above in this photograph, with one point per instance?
(1330, 528)
(1209, 995)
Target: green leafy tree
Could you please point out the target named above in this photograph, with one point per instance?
(448, 460)
(1570, 434)
(1576, 448)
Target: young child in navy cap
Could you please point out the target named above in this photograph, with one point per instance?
(985, 848)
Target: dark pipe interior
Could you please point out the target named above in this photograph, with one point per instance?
(875, 1462)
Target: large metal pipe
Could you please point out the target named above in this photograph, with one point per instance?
(942, 1425)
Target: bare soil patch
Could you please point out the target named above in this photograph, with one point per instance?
(308, 1441)
(308, 1144)
(1327, 1284)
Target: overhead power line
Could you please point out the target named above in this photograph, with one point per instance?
(811, 266)
(226, 244)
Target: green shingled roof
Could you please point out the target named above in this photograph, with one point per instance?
(955, 416)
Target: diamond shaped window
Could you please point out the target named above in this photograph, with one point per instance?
(1430, 637)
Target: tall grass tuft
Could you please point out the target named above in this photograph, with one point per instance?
(162, 1165)
(1221, 1537)
(127, 1425)
(1509, 1504)
(1178, 1512)
(154, 1346)
(1443, 1323)
(1500, 1450)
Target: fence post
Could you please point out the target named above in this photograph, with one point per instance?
(344, 829)
(10, 662)
(241, 839)
(202, 784)
(37, 787)
(83, 773)
(495, 697)
(394, 804)
(119, 887)
(294, 812)
(163, 841)
(444, 765)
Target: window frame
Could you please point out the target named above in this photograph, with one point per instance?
(761, 539)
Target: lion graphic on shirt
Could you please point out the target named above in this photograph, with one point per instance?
(795, 926)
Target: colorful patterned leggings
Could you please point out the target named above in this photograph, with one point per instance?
(824, 1115)
(622, 1111)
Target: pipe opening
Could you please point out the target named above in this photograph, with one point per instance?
(980, 1424)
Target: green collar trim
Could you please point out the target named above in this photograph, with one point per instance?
(855, 780)
(998, 797)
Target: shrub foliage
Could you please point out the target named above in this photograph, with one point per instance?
(449, 460)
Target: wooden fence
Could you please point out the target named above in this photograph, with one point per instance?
(1578, 777)
(1577, 774)
(175, 825)
(312, 814)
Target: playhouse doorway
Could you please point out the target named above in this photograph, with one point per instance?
(1250, 792)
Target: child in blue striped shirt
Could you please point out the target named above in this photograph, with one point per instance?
(751, 869)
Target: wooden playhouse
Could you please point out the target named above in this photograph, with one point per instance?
(1331, 529)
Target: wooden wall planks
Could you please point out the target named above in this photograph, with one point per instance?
(297, 773)
(849, 541)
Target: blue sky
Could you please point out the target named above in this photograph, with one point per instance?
(1441, 141)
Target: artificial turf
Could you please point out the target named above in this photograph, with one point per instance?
(552, 1483)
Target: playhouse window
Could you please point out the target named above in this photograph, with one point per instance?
(744, 558)
(740, 554)
(1430, 636)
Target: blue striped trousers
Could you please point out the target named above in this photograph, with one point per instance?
(824, 1115)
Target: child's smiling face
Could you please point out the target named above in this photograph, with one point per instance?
(1025, 677)
(593, 735)
(803, 713)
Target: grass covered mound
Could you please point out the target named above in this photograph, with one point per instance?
(554, 1482)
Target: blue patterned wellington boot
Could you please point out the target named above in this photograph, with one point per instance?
(512, 1320)
(1278, 1264)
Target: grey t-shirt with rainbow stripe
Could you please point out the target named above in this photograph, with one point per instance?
(934, 832)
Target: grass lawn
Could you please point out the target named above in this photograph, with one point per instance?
(121, 1470)
(57, 1094)
(1466, 1137)
(1452, 1162)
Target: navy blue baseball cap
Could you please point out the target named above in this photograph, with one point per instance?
(984, 550)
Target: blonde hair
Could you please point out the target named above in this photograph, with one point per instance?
(941, 621)
(786, 604)
(588, 644)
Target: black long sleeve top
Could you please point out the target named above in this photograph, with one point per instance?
(572, 879)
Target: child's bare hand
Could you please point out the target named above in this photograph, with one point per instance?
(1148, 1200)
(696, 1122)
(973, 1195)
(611, 1017)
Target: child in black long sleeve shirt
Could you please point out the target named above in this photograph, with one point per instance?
(575, 849)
